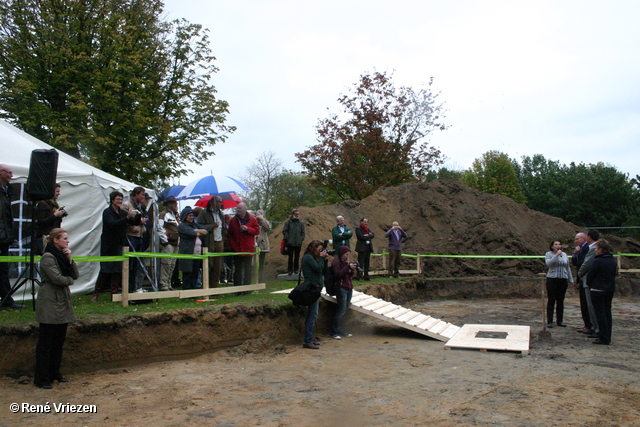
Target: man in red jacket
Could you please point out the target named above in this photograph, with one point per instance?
(242, 232)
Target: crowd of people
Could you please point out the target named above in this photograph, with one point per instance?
(187, 232)
(343, 270)
(596, 275)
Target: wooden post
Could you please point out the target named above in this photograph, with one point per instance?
(125, 278)
(418, 264)
(619, 262)
(384, 263)
(256, 267)
(544, 308)
(205, 272)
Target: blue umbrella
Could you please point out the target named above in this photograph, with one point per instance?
(211, 185)
(171, 191)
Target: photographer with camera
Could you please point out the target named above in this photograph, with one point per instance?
(342, 271)
(395, 235)
(48, 216)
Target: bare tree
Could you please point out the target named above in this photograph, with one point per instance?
(262, 177)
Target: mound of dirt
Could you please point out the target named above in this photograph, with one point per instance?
(446, 217)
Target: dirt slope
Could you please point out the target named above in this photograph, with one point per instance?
(447, 217)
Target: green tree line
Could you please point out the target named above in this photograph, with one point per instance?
(597, 195)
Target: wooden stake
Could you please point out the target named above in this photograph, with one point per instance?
(125, 278)
(205, 272)
(544, 308)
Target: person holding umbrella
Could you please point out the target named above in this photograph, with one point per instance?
(242, 232)
(212, 220)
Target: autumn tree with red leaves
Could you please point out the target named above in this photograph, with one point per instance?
(380, 140)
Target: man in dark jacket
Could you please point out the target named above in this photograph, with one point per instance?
(341, 233)
(113, 238)
(577, 258)
(293, 233)
(592, 237)
(364, 247)
(6, 235)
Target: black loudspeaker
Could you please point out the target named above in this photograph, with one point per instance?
(43, 170)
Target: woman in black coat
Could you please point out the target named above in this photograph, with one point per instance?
(190, 243)
(601, 279)
(113, 238)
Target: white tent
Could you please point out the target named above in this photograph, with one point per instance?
(84, 192)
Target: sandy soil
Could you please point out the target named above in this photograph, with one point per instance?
(380, 376)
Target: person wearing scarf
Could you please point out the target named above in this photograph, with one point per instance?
(190, 243)
(242, 232)
(364, 247)
(48, 216)
(54, 310)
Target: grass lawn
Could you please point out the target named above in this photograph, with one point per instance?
(104, 309)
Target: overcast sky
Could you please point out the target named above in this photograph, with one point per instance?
(559, 78)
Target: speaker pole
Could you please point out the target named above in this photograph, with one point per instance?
(30, 273)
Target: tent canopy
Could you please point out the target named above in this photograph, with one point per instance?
(84, 194)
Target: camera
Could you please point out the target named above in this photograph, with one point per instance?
(331, 252)
(358, 268)
(65, 213)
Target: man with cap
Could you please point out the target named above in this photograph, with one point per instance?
(167, 230)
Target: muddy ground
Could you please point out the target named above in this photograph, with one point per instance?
(381, 376)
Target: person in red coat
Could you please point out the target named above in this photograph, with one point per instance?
(242, 232)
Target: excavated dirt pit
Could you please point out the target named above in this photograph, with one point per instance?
(240, 366)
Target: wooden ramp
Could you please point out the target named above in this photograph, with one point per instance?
(400, 316)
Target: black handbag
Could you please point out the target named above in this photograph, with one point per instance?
(305, 293)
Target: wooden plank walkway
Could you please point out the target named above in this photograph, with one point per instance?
(189, 293)
(400, 316)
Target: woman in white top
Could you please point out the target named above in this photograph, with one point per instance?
(558, 279)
